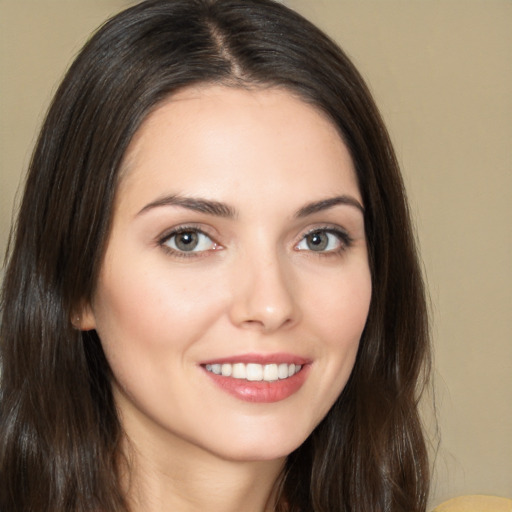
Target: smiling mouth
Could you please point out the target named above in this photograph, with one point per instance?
(255, 372)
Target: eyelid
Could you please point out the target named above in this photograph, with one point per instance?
(345, 239)
(169, 233)
(341, 233)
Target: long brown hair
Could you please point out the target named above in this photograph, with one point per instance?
(59, 430)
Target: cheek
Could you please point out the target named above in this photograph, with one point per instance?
(341, 308)
(336, 313)
(339, 313)
(149, 313)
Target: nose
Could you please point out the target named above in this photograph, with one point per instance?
(263, 295)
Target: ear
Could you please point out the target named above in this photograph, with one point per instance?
(83, 318)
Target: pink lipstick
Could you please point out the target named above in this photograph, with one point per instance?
(257, 377)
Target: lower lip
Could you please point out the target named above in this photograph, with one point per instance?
(261, 391)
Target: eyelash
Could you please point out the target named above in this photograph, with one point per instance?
(344, 239)
(162, 242)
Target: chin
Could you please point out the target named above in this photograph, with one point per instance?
(266, 447)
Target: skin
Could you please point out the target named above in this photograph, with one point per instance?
(254, 285)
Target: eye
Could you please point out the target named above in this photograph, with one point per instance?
(189, 240)
(324, 240)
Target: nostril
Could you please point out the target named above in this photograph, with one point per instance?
(263, 299)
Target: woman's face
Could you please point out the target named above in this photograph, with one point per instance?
(235, 285)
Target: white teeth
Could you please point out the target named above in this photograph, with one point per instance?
(239, 371)
(254, 371)
(282, 371)
(227, 369)
(270, 372)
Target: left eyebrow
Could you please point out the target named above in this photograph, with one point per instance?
(325, 204)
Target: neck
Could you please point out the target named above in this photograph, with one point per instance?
(164, 475)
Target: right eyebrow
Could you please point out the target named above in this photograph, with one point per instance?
(192, 203)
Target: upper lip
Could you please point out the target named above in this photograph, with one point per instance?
(277, 358)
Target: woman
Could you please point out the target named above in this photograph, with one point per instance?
(213, 300)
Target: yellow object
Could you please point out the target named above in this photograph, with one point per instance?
(475, 503)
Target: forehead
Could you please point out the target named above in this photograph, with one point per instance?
(205, 137)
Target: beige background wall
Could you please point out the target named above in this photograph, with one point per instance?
(441, 71)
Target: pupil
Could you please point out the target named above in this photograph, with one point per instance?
(187, 241)
(317, 241)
